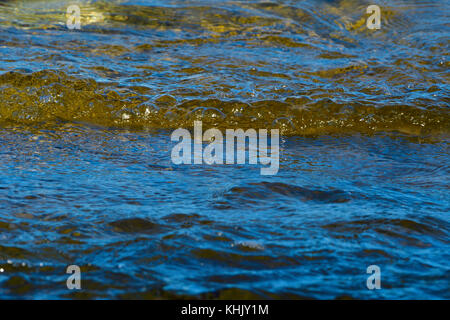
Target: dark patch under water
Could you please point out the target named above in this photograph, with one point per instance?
(86, 176)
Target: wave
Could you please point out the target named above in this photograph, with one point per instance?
(52, 96)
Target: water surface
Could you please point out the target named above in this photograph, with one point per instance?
(85, 171)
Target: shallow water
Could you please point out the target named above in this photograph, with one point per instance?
(86, 176)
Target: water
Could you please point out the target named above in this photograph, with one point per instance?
(86, 176)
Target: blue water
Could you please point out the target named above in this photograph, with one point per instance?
(86, 176)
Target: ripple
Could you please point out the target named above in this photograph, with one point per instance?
(135, 225)
(267, 190)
